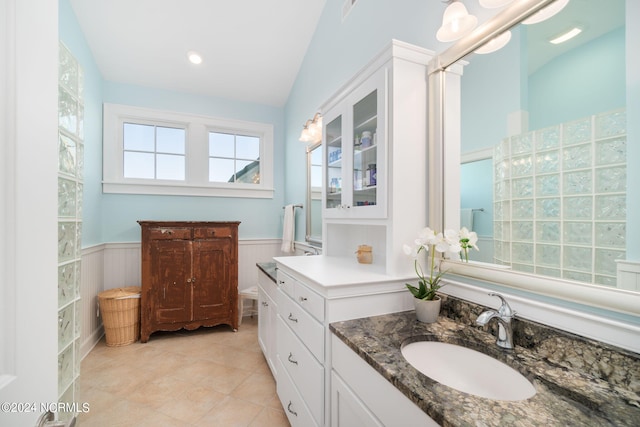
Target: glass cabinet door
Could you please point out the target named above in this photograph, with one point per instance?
(365, 147)
(333, 176)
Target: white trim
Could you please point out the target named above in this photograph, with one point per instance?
(582, 293)
(171, 188)
(196, 152)
(477, 155)
(615, 332)
(444, 169)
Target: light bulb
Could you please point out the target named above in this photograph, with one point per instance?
(456, 23)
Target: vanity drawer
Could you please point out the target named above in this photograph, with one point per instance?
(212, 233)
(305, 371)
(169, 233)
(310, 332)
(309, 300)
(285, 282)
(293, 404)
(268, 285)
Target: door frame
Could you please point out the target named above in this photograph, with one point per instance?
(28, 218)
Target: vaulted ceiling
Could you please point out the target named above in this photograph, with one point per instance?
(251, 49)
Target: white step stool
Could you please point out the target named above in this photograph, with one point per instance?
(251, 294)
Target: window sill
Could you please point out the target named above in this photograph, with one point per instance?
(169, 188)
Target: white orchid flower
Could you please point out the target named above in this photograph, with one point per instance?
(450, 242)
(470, 236)
(426, 237)
(410, 251)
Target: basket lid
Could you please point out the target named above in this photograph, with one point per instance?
(121, 293)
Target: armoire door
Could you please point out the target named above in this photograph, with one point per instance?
(212, 272)
(172, 281)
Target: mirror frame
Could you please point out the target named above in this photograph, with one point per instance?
(444, 172)
(315, 241)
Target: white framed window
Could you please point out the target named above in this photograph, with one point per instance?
(234, 158)
(153, 151)
(149, 151)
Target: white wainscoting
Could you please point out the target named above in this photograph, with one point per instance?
(113, 265)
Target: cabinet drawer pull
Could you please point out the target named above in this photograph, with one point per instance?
(281, 282)
(293, 319)
(189, 280)
(290, 410)
(291, 359)
(302, 299)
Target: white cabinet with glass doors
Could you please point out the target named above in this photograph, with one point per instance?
(355, 151)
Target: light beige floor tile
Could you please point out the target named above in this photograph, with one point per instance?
(270, 417)
(193, 404)
(259, 389)
(231, 412)
(207, 377)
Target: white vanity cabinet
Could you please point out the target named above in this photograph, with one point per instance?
(267, 319)
(301, 346)
(360, 396)
(314, 291)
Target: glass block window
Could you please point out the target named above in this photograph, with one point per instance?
(149, 151)
(568, 212)
(70, 143)
(153, 152)
(234, 158)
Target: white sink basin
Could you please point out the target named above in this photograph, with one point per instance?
(467, 370)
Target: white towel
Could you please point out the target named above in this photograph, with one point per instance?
(288, 229)
(466, 218)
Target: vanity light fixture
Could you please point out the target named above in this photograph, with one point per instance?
(567, 35)
(194, 57)
(495, 43)
(456, 23)
(546, 12)
(312, 130)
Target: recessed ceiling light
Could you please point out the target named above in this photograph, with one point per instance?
(194, 57)
(567, 35)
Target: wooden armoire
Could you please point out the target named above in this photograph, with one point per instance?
(189, 275)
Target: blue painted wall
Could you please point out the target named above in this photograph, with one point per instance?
(580, 83)
(112, 217)
(585, 81)
(337, 51)
(72, 37)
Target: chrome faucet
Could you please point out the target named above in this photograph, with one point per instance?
(503, 315)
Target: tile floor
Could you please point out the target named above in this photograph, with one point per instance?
(208, 377)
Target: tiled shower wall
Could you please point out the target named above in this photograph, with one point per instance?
(70, 166)
(560, 199)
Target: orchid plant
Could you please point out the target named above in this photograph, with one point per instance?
(450, 242)
(468, 240)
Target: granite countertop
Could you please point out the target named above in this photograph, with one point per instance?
(571, 388)
(268, 268)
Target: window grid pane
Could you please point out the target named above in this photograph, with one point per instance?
(153, 152)
(234, 158)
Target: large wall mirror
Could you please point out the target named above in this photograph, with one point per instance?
(543, 159)
(313, 234)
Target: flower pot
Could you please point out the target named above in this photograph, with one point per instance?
(427, 311)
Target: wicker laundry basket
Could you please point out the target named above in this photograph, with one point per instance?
(120, 310)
